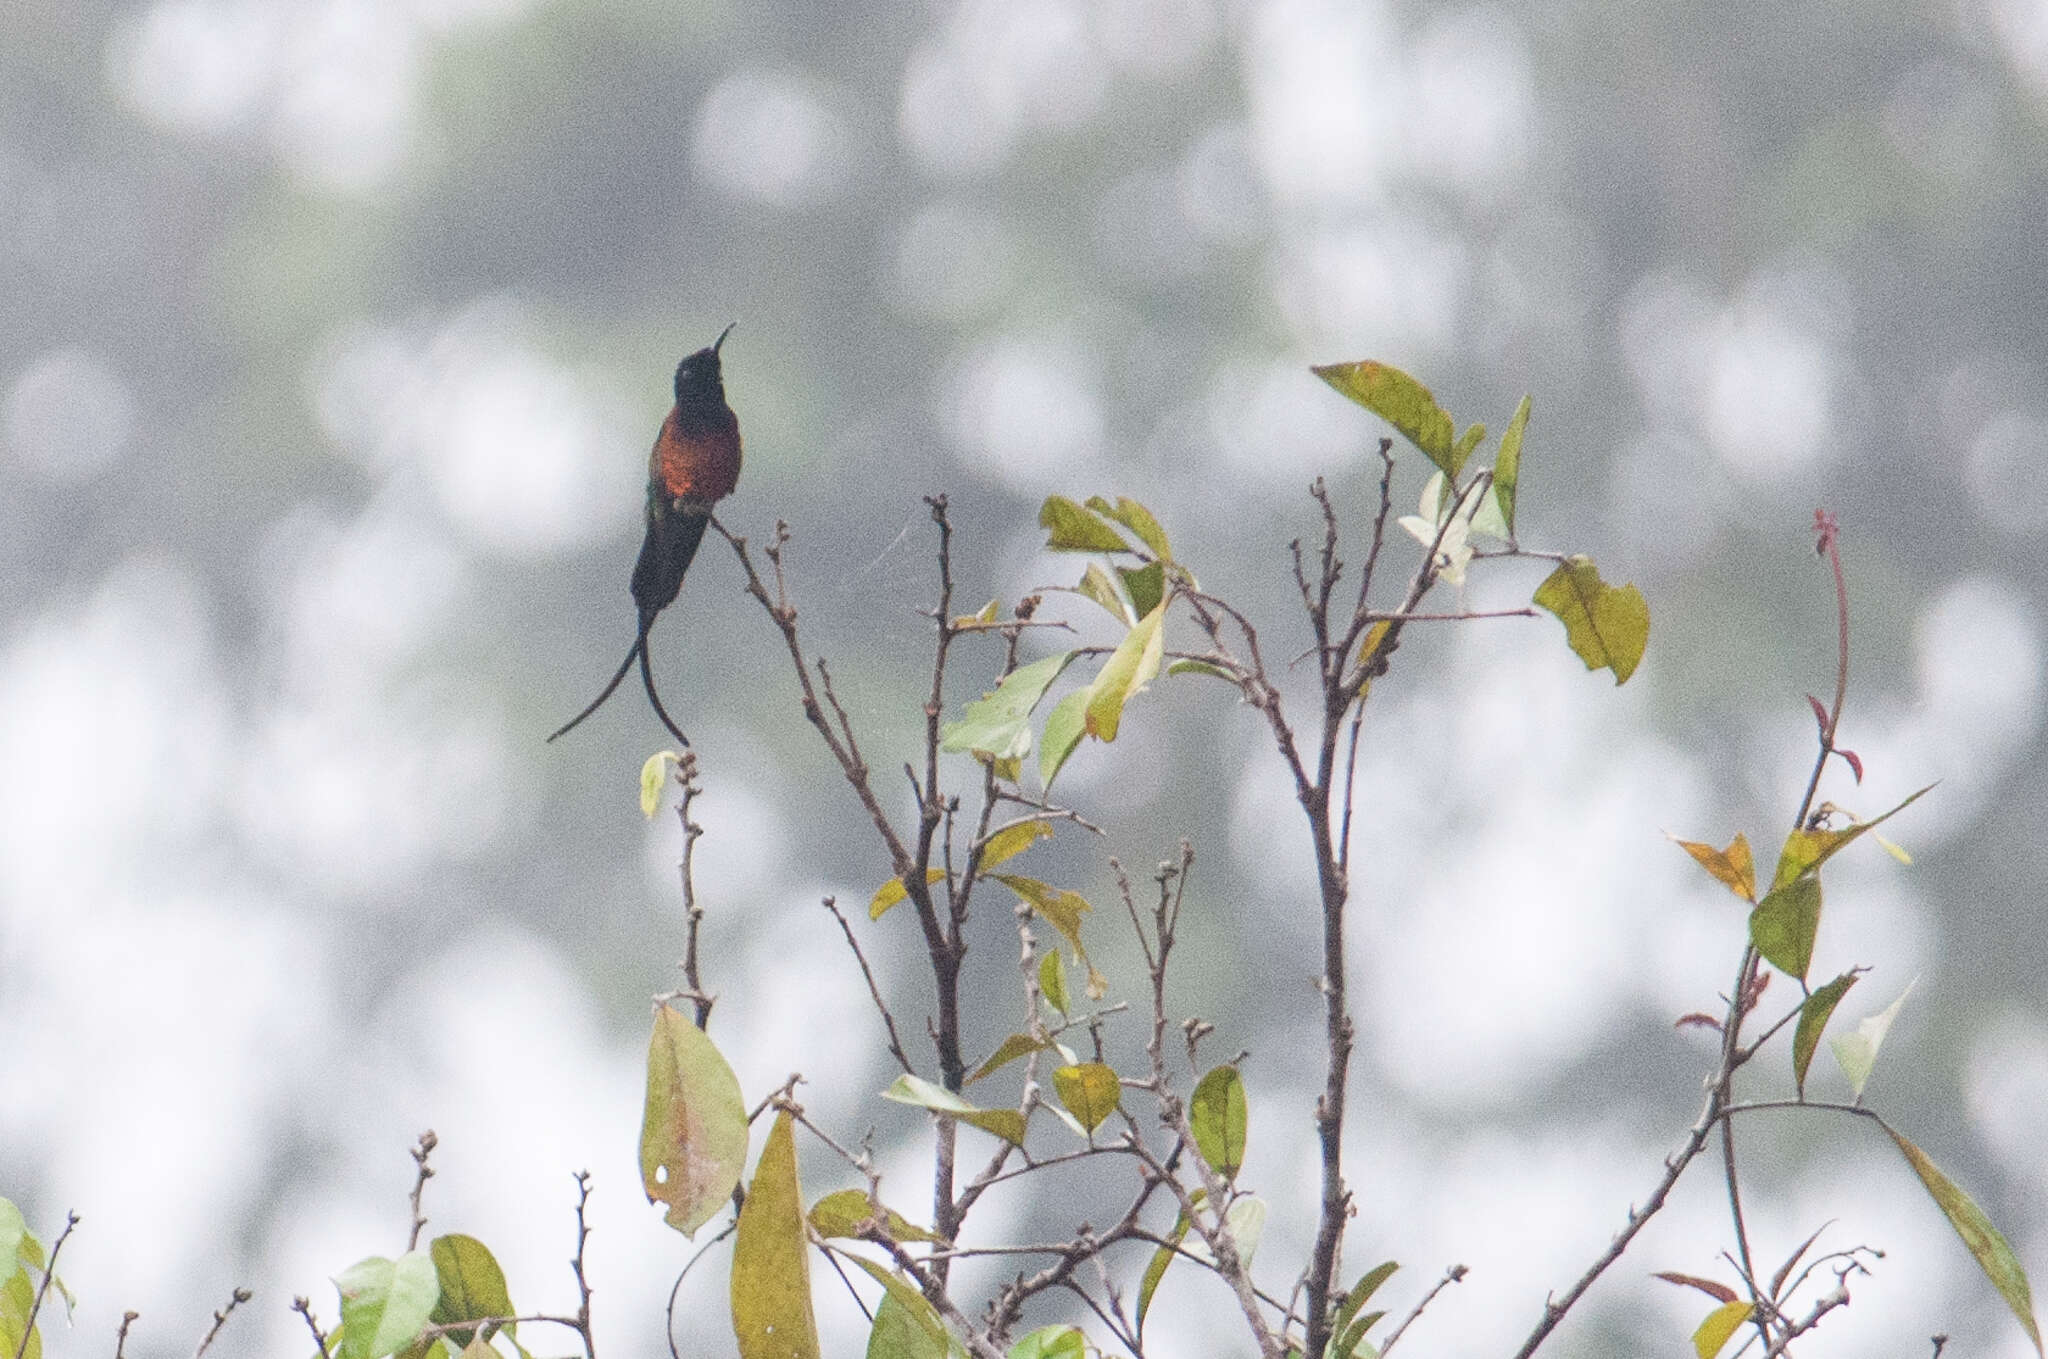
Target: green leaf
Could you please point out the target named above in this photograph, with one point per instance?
(1217, 1114)
(929, 1337)
(1131, 667)
(1010, 1049)
(840, 1214)
(771, 1270)
(1074, 529)
(998, 724)
(1402, 402)
(1720, 1324)
(472, 1285)
(1733, 867)
(1064, 727)
(1138, 520)
(1147, 585)
(1052, 1342)
(1010, 841)
(1090, 1090)
(893, 891)
(1189, 666)
(693, 1136)
(1606, 625)
(1806, 850)
(1007, 1124)
(1507, 465)
(385, 1303)
(1052, 980)
(652, 775)
(1347, 1335)
(1462, 450)
(1856, 1053)
(1980, 1238)
(1155, 1269)
(898, 1332)
(1096, 585)
(1814, 1014)
(1784, 924)
(1351, 1343)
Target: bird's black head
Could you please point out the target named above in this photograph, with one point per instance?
(699, 380)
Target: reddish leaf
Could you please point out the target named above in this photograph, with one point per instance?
(1719, 1292)
(1696, 1020)
(1785, 1270)
(1820, 711)
(1855, 765)
(1824, 530)
(1756, 991)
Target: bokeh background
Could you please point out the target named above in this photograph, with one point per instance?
(333, 334)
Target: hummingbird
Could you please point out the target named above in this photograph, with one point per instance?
(694, 465)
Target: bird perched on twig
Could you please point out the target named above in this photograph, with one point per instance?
(695, 464)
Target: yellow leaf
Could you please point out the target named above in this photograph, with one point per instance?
(771, 1268)
(893, 891)
(1720, 1324)
(1733, 867)
(652, 775)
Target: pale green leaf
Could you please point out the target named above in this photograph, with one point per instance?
(1010, 1049)
(472, 1285)
(1137, 519)
(1052, 980)
(385, 1303)
(1856, 1053)
(1010, 841)
(1806, 850)
(1051, 1342)
(1007, 1124)
(652, 775)
(842, 1213)
(998, 724)
(1097, 585)
(1064, 727)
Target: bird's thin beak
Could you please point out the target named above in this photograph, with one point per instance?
(721, 337)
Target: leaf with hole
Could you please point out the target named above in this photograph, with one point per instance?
(693, 1134)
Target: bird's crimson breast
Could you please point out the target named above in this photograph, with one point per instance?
(699, 461)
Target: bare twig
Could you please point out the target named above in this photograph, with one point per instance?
(676, 1289)
(1454, 1274)
(422, 1173)
(220, 1319)
(304, 1308)
(121, 1336)
(874, 991)
(693, 911)
(576, 1263)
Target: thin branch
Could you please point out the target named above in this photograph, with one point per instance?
(121, 1336)
(1455, 1274)
(693, 911)
(874, 991)
(220, 1319)
(576, 1263)
(304, 1308)
(422, 1173)
(676, 1289)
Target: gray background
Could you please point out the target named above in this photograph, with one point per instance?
(332, 335)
